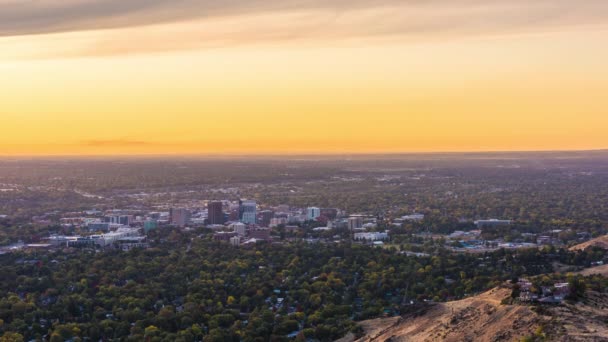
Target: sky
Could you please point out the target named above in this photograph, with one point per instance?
(115, 77)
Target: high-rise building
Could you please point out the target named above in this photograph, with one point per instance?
(312, 213)
(249, 217)
(264, 217)
(179, 217)
(234, 215)
(330, 213)
(355, 222)
(215, 214)
(247, 211)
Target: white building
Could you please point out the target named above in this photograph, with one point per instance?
(375, 236)
(312, 213)
(370, 225)
(120, 233)
(413, 217)
(57, 240)
(296, 218)
(199, 221)
(238, 228)
(235, 241)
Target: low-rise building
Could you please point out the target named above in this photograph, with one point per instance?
(235, 241)
(224, 236)
(277, 221)
(373, 236)
(239, 228)
(413, 217)
(98, 226)
(260, 234)
(130, 242)
(491, 223)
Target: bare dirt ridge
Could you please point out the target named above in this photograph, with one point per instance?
(484, 318)
(601, 242)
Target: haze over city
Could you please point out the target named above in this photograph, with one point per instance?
(303, 170)
(92, 77)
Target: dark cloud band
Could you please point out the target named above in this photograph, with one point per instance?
(19, 17)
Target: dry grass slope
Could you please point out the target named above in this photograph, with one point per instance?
(601, 242)
(479, 318)
(482, 318)
(602, 270)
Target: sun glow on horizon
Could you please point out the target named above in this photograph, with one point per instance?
(235, 91)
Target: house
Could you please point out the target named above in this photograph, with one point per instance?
(548, 294)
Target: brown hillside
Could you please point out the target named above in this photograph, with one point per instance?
(483, 318)
(601, 242)
(602, 270)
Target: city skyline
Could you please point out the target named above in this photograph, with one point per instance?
(93, 77)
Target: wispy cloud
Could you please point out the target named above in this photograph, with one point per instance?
(114, 27)
(116, 143)
(44, 16)
(26, 17)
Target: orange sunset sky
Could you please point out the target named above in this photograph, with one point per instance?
(89, 77)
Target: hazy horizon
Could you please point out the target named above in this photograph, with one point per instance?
(106, 77)
(338, 156)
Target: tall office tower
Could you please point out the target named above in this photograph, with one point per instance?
(234, 215)
(215, 213)
(355, 222)
(247, 211)
(179, 217)
(330, 213)
(265, 217)
(312, 213)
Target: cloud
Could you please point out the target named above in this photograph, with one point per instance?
(116, 143)
(18, 17)
(27, 17)
(118, 27)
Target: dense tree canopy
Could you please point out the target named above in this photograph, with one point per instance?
(216, 292)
